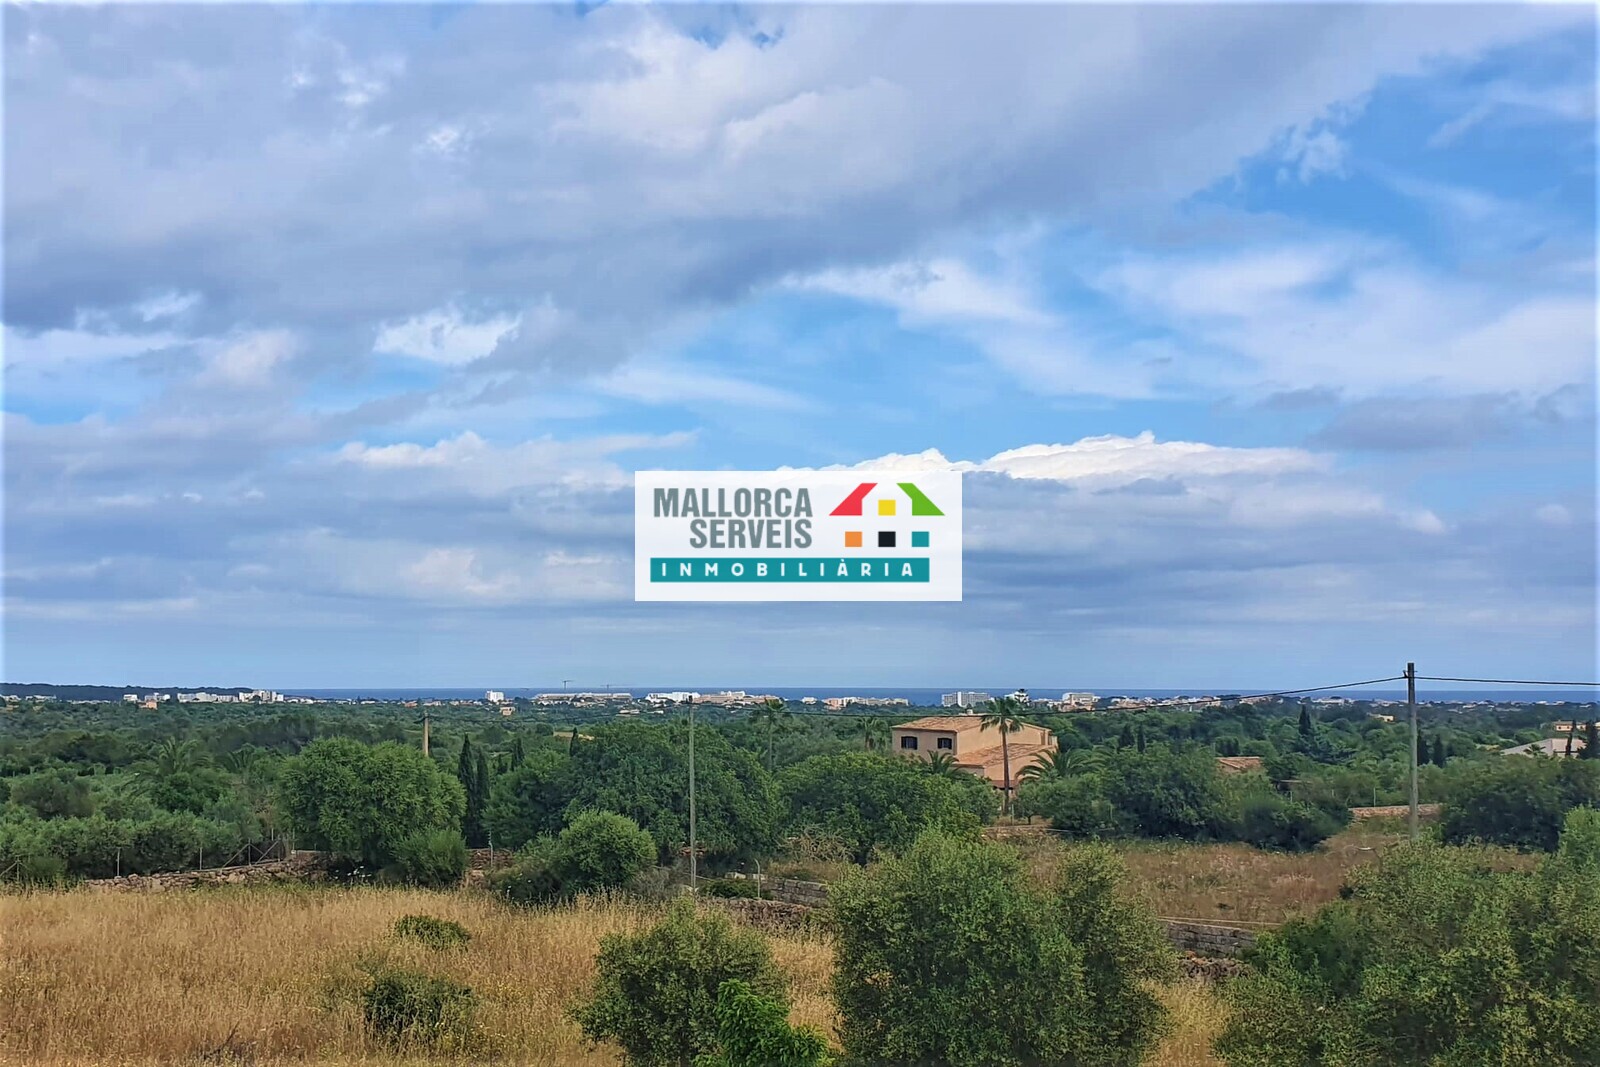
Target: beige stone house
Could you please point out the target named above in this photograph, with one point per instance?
(974, 746)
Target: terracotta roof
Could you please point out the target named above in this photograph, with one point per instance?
(944, 722)
(986, 758)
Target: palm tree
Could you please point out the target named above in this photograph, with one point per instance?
(1002, 715)
(942, 764)
(872, 731)
(773, 712)
(1062, 764)
(173, 756)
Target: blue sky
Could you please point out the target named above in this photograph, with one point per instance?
(333, 335)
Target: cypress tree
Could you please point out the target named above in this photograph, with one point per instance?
(1305, 721)
(1141, 737)
(1125, 739)
(479, 794)
(1591, 741)
(517, 754)
(1439, 755)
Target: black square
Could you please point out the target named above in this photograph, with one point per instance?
(885, 538)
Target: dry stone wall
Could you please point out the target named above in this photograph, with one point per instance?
(298, 867)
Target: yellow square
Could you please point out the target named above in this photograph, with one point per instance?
(886, 507)
(852, 539)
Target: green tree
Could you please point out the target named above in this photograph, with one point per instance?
(478, 796)
(656, 993)
(530, 800)
(436, 859)
(1591, 741)
(754, 1031)
(1440, 757)
(873, 732)
(941, 765)
(518, 755)
(360, 800)
(1435, 958)
(54, 794)
(949, 955)
(773, 713)
(1515, 800)
(1004, 714)
(867, 801)
(602, 850)
(642, 771)
(1059, 763)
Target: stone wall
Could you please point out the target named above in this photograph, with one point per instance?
(770, 915)
(299, 867)
(1202, 939)
(794, 891)
(1397, 811)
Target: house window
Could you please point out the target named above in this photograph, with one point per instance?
(947, 742)
(908, 742)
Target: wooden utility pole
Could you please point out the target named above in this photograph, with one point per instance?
(694, 859)
(425, 719)
(1411, 703)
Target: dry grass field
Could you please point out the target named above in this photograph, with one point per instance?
(243, 976)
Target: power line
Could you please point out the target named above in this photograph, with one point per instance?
(1503, 681)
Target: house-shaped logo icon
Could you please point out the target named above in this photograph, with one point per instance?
(888, 507)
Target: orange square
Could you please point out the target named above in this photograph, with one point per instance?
(852, 539)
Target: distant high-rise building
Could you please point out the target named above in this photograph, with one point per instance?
(963, 698)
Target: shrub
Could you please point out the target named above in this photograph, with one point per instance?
(656, 993)
(37, 869)
(532, 879)
(401, 1006)
(602, 850)
(53, 794)
(1269, 820)
(1434, 958)
(754, 1031)
(948, 955)
(872, 802)
(734, 888)
(433, 858)
(1516, 800)
(435, 933)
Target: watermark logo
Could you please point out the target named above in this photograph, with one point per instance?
(797, 535)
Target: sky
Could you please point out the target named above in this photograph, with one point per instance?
(334, 335)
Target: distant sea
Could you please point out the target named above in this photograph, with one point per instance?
(931, 697)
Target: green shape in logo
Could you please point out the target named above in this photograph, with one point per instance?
(920, 504)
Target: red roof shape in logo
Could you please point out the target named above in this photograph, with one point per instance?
(920, 504)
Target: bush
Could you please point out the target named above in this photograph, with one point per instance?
(732, 888)
(400, 1007)
(37, 869)
(60, 793)
(602, 850)
(1516, 800)
(872, 802)
(656, 993)
(1269, 820)
(435, 933)
(436, 859)
(1434, 958)
(532, 878)
(754, 1031)
(948, 955)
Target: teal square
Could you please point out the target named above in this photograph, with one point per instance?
(919, 539)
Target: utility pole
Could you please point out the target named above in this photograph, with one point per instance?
(425, 718)
(1411, 704)
(694, 858)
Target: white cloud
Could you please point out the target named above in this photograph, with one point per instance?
(660, 382)
(446, 335)
(247, 362)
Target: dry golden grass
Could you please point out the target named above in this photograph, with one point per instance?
(1233, 883)
(129, 978)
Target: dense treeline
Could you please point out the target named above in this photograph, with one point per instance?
(92, 790)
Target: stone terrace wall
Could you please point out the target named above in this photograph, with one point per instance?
(795, 891)
(299, 867)
(1397, 811)
(1205, 940)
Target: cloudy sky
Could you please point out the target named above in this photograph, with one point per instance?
(333, 336)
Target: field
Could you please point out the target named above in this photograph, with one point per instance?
(245, 976)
